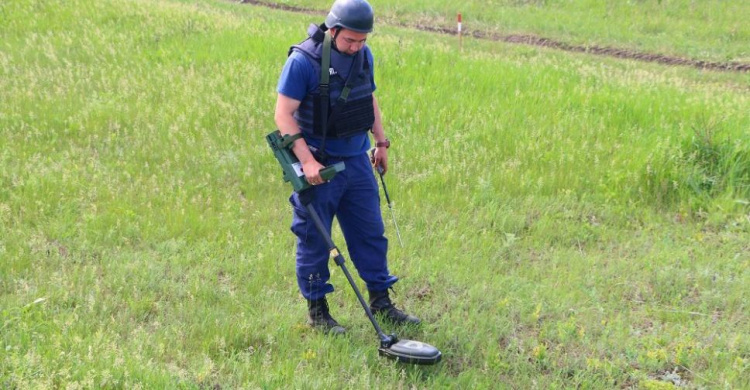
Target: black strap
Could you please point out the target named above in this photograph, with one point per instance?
(288, 141)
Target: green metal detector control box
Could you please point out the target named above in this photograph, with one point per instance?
(282, 150)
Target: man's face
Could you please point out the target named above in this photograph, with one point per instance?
(349, 42)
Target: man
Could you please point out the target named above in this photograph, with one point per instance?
(335, 128)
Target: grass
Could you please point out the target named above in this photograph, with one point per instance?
(709, 30)
(569, 221)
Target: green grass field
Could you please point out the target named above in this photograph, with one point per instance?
(569, 220)
(707, 30)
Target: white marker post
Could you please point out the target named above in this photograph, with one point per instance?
(460, 40)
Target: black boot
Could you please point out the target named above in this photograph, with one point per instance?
(380, 303)
(320, 318)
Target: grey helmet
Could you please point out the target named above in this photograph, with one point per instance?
(355, 15)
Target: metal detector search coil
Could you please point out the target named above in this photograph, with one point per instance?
(413, 352)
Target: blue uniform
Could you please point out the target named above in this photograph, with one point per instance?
(352, 196)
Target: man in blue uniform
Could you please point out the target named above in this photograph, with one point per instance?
(335, 128)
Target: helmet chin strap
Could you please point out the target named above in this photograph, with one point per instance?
(333, 39)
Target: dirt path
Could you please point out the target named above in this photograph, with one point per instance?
(534, 40)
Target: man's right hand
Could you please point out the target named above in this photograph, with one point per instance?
(311, 169)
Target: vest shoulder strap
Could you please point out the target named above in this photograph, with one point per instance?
(324, 79)
(310, 46)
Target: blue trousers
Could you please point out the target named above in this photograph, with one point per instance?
(352, 196)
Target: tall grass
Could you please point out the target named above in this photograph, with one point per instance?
(144, 226)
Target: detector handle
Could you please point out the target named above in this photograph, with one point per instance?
(330, 171)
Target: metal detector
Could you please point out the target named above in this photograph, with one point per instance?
(405, 351)
(387, 197)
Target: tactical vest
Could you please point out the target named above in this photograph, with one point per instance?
(357, 114)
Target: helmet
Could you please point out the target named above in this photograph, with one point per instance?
(355, 15)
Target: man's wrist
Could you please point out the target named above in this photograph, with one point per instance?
(384, 144)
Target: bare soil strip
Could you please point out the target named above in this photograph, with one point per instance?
(534, 40)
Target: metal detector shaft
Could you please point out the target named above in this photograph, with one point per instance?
(339, 259)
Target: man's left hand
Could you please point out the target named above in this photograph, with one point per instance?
(379, 159)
